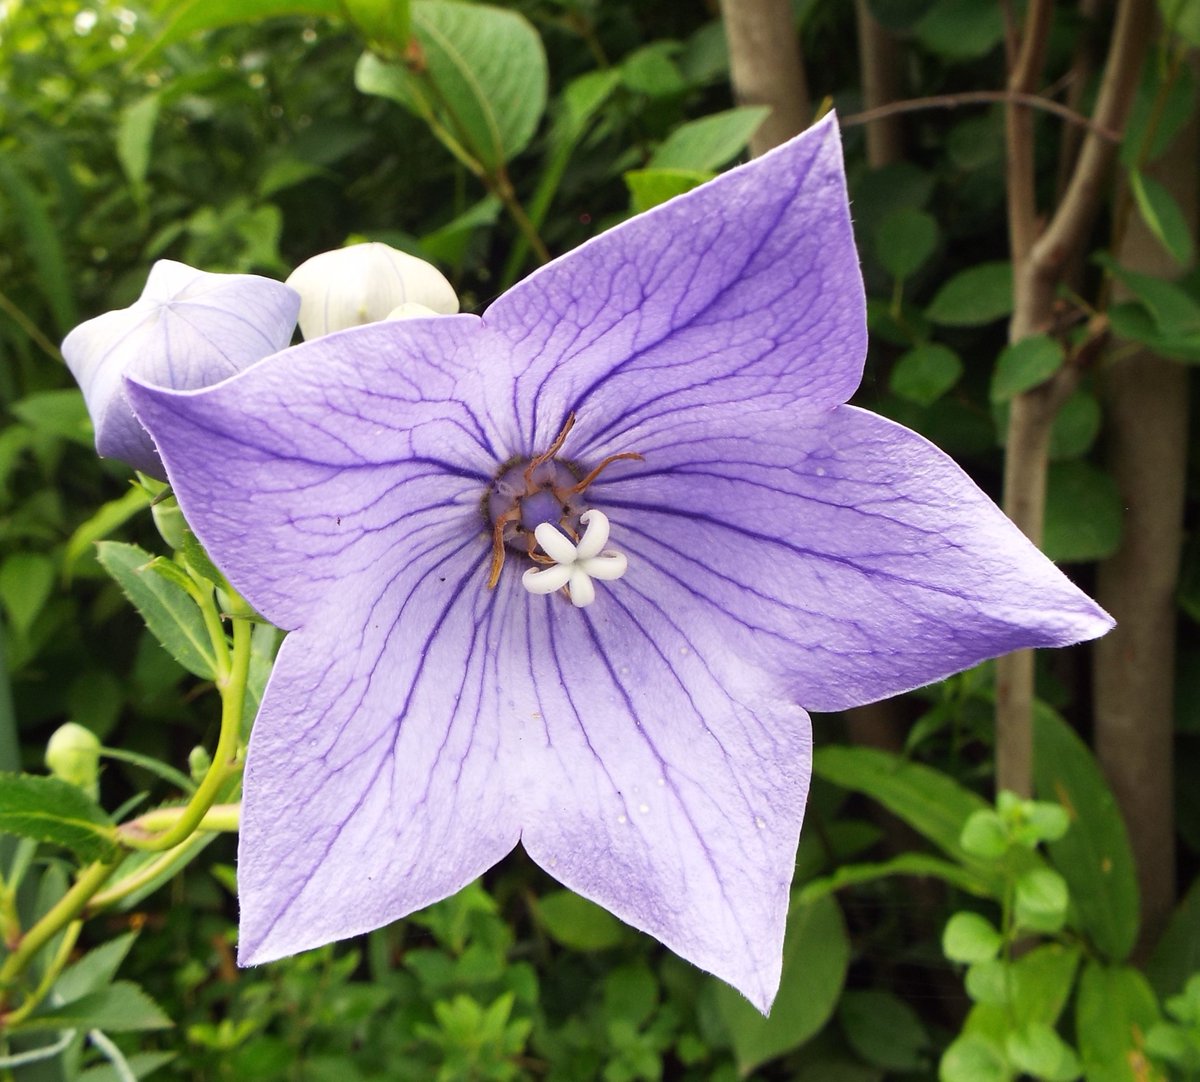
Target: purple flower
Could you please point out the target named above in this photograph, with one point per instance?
(677, 384)
(188, 329)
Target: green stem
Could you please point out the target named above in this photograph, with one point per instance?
(220, 817)
(57, 964)
(503, 189)
(26, 324)
(65, 910)
(166, 862)
(232, 686)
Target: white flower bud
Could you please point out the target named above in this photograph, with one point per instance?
(363, 284)
(73, 754)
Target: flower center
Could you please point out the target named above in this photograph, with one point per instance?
(535, 507)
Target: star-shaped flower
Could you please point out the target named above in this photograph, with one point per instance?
(189, 328)
(381, 494)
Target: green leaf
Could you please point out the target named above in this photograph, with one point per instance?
(1076, 427)
(649, 187)
(42, 242)
(109, 517)
(884, 1030)
(1024, 365)
(988, 982)
(481, 78)
(94, 970)
(985, 836)
(1162, 216)
(1083, 513)
(51, 810)
(122, 1007)
(1134, 321)
(905, 240)
(577, 923)
(917, 864)
(26, 582)
(960, 29)
(135, 134)
(972, 1058)
(1182, 17)
(970, 938)
(57, 413)
(631, 993)
(169, 611)
(706, 144)
(1177, 954)
(141, 1064)
(925, 373)
(1113, 1010)
(1094, 855)
(816, 955)
(930, 802)
(1175, 312)
(978, 295)
(651, 70)
(191, 16)
(1041, 900)
(1039, 1051)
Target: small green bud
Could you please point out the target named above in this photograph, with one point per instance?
(198, 763)
(169, 520)
(73, 754)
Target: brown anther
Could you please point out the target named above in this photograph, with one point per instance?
(629, 456)
(552, 450)
(498, 545)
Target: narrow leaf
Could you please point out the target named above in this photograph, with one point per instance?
(168, 609)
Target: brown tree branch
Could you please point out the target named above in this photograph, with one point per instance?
(766, 68)
(1146, 414)
(879, 61)
(1037, 269)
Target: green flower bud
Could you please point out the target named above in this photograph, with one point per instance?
(169, 520)
(73, 754)
(198, 763)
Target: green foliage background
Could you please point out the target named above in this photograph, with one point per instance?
(935, 931)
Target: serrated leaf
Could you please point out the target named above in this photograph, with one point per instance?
(1024, 365)
(51, 810)
(1162, 216)
(168, 609)
(703, 145)
(94, 970)
(973, 297)
(1094, 856)
(122, 1007)
(482, 76)
(815, 959)
(905, 240)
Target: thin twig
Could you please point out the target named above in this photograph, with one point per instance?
(982, 97)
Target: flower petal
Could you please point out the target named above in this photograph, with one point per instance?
(660, 781)
(189, 329)
(840, 551)
(303, 471)
(376, 780)
(745, 289)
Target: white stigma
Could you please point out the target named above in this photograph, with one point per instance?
(575, 565)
